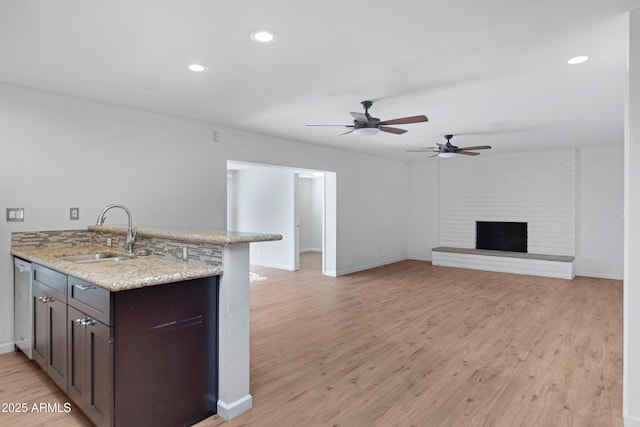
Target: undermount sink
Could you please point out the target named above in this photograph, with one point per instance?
(96, 257)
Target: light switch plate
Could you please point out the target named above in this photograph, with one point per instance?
(74, 214)
(15, 214)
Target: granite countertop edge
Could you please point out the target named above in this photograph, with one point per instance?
(138, 272)
(191, 235)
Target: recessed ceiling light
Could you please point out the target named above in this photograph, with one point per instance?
(197, 68)
(577, 60)
(263, 36)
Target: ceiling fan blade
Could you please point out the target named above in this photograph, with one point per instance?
(420, 150)
(332, 125)
(360, 117)
(397, 131)
(405, 120)
(467, 153)
(479, 147)
(435, 155)
(349, 131)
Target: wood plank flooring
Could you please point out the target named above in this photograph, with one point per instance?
(411, 344)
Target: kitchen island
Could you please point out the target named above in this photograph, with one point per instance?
(211, 265)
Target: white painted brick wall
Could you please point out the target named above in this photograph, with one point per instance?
(536, 187)
(531, 267)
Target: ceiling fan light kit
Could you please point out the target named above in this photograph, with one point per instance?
(366, 131)
(447, 155)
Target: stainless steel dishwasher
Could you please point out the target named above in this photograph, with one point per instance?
(22, 309)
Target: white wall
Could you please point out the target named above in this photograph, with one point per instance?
(60, 152)
(599, 212)
(631, 374)
(310, 205)
(424, 209)
(265, 204)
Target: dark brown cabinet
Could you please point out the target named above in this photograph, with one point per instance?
(165, 355)
(49, 323)
(139, 357)
(90, 366)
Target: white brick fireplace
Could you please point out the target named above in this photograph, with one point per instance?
(537, 188)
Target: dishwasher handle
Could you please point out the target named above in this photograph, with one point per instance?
(22, 265)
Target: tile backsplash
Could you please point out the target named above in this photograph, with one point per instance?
(206, 253)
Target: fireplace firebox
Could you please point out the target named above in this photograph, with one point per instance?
(501, 236)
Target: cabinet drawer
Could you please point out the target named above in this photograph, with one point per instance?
(90, 299)
(51, 279)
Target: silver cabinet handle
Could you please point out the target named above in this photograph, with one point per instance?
(84, 287)
(87, 321)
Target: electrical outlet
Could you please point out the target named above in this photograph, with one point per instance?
(74, 214)
(15, 214)
(109, 242)
(185, 253)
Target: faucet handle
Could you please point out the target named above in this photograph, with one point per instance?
(134, 231)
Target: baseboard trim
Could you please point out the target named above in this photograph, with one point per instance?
(7, 347)
(367, 266)
(271, 265)
(419, 258)
(600, 275)
(235, 408)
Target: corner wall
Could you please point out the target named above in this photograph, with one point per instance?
(631, 373)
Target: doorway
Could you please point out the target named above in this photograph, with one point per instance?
(299, 204)
(309, 196)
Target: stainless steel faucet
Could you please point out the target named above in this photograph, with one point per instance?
(131, 230)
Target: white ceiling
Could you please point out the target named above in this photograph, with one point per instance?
(493, 71)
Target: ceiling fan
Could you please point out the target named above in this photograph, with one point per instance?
(449, 150)
(364, 123)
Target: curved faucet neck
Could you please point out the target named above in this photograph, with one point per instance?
(131, 230)
(102, 215)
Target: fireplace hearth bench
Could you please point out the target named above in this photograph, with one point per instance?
(559, 266)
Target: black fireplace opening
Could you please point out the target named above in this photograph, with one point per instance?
(501, 236)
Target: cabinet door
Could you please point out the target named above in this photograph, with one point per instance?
(40, 340)
(99, 366)
(77, 369)
(90, 366)
(57, 349)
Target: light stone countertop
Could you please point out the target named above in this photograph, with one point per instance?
(191, 235)
(116, 276)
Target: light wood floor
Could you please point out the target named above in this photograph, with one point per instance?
(410, 344)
